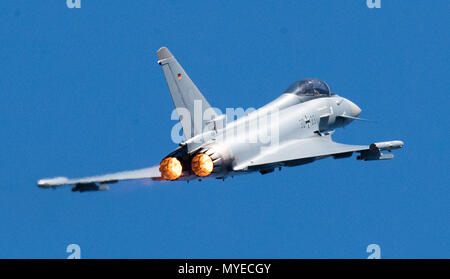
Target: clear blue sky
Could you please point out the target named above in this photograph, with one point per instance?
(81, 94)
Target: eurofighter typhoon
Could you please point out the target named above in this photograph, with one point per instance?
(292, 130)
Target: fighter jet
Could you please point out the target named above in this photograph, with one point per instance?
(292, 130)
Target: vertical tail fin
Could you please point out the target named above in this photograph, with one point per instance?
(185, 95)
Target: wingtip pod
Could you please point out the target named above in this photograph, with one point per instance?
(388, 145)
(51, 182)
(163, 53)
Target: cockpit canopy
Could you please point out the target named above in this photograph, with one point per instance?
(309, 87)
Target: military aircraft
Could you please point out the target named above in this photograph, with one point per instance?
(303, 119)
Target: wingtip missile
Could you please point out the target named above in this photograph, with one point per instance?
(51, 182)
(388, 145)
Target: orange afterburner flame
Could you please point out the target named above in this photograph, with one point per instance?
(202, 165)
(170, 168)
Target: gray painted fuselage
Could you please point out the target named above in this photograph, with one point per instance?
(292, 119)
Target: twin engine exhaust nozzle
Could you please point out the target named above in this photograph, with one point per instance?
(171, 168)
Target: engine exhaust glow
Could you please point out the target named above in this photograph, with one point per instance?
(202, 165)
(170, 168)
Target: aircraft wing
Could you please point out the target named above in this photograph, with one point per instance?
(97, 183)
(307, 150)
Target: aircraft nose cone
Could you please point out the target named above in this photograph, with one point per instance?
(355, 110)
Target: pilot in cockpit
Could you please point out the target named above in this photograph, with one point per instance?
(309, 87)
